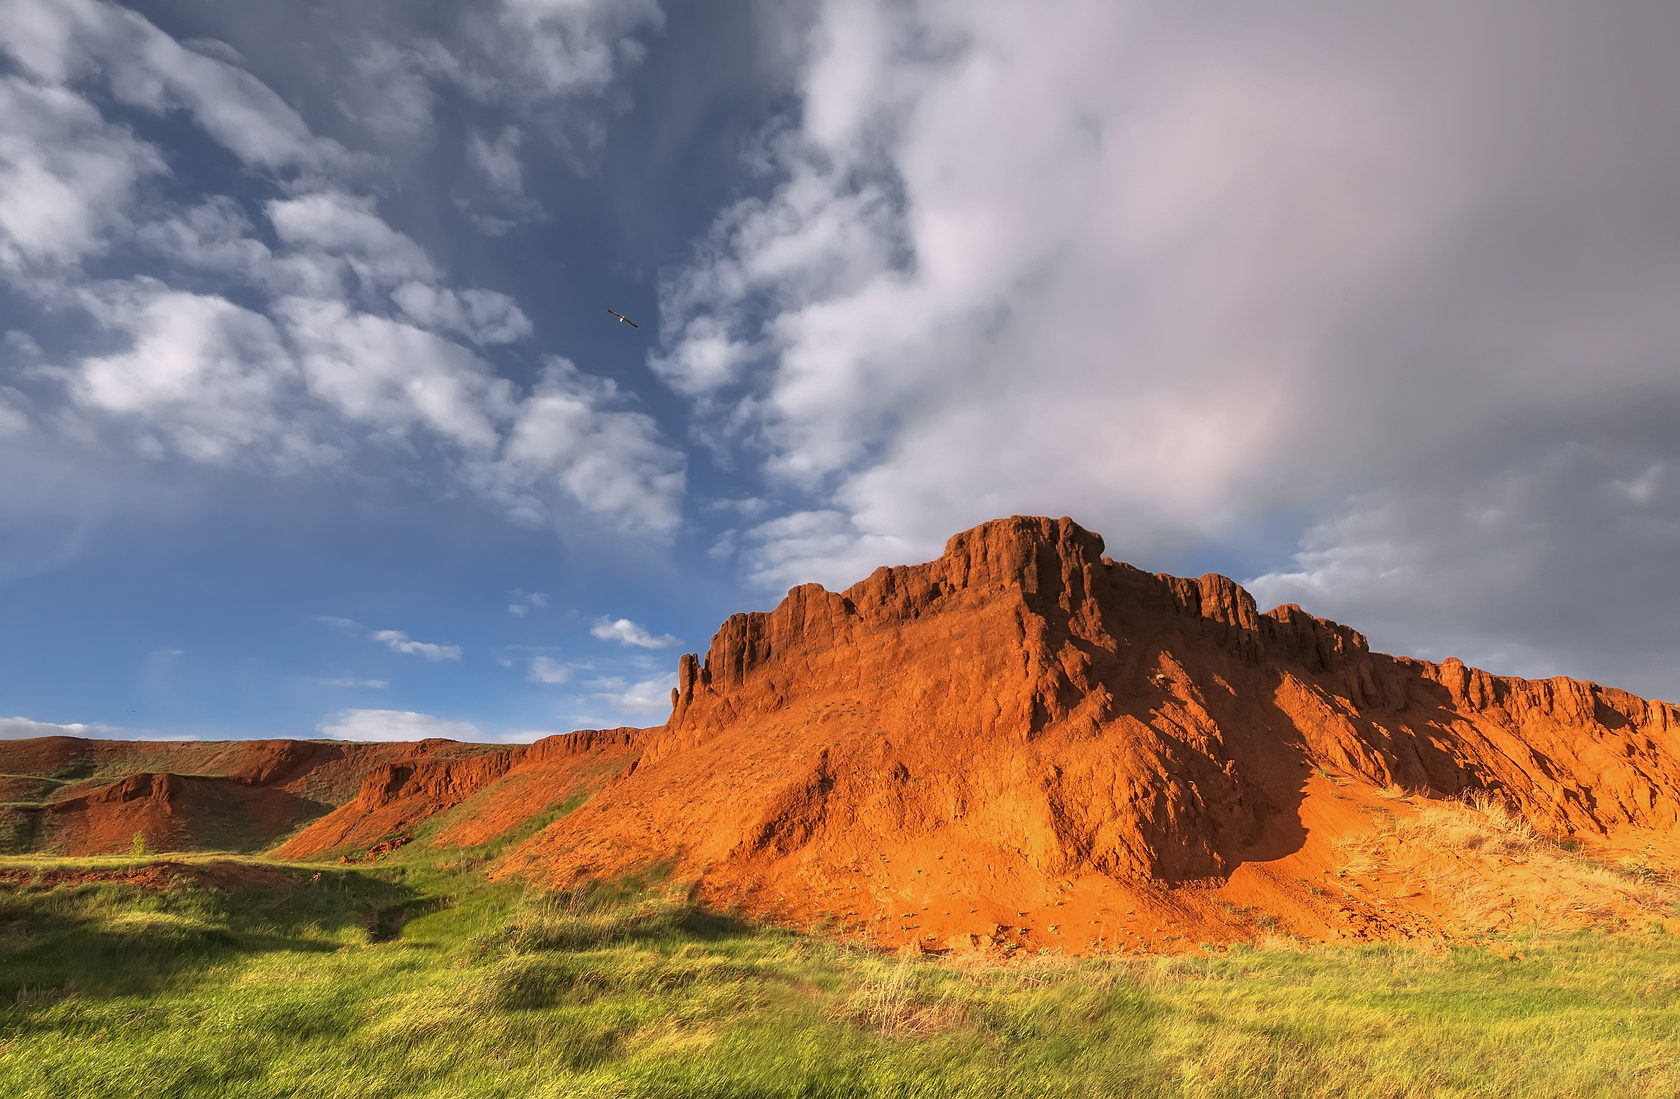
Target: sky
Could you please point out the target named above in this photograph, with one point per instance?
(313, 420)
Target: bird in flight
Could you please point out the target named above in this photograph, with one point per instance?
(623, 319)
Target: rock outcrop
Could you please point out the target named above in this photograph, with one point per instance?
(1023, 723)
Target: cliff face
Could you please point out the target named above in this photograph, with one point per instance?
(1023, 714)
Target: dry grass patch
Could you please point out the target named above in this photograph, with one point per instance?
(1482, 865)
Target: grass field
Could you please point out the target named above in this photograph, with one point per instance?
(421, 978)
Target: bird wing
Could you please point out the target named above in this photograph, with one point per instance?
(631, 323)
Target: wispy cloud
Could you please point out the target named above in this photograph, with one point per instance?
(525, 602)
(396, 725)
(347, 681)
(545, 669)
(23, 728)
(400, 642)
(626, 632)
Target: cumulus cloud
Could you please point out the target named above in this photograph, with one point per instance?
(1178, 272)
(626, 632)
(650, 697)
(545, 669)
(214, 236)
(394, 376)
(204, 378)
(397, 725)
(67, 174)
(329, 331)
(399, 642)
(349, 227)
(569, 438)
(59, 41)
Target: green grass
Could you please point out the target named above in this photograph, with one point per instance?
(419, 977)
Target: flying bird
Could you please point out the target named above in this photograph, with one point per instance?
(623, 319)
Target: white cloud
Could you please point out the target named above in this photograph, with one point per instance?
(67, 174)
(396, 725)
(349, 227)
(215, 235)
(483, 316)
(567, 436)
(23, 728)
(393, 376)
(203, 378)
(347, 625)
(821, 546)
(1173, 272)
(349, 681)
(626, 632)
(399, 642)
(648, 697)
(59, 41)
(546, 669)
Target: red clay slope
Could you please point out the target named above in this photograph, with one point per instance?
(71, 796)
(1027, 742)
(499, 789)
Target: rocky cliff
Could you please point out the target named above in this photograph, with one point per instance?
(1024, 724)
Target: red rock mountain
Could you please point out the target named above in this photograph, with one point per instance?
(1026, 740)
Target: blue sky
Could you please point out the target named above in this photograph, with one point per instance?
(313, 420)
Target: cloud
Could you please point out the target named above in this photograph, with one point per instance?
(523, 602)
(483, 316)
(347, 681)
(568, 439)
(68, 175)
(214, 235)
(399, 642)
(328, 331)
(498, 161)
(649, 697)
(350, 228)
(626, 632)
(347, 625)
(396, 725)
(536, 50)
(1180, 274)
(203, 378)
(1487, 567)
(548, 670)
(23, 728)
(61, 41)
(394, 377)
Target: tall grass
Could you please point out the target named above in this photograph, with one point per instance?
(418, 979)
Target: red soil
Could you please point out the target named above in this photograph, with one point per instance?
(519, 782)
(185, 795)
(1026, 743)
